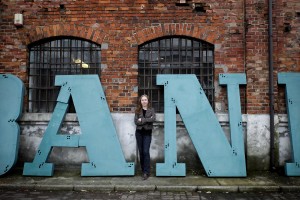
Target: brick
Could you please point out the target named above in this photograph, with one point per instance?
(123, 26)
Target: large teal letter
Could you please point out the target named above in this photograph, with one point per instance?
(11, 102)
(292, 82)
(98, 131)
(218, 157)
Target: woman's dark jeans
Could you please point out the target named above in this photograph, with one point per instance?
(143, 139)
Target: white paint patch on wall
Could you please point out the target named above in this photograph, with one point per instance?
(281, 124)
(256, 134)
(125, 128)
(258, 141)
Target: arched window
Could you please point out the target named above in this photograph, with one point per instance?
(174, 55)
(58, 56)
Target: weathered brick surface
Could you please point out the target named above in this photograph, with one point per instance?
(238, 29)
(286, 44)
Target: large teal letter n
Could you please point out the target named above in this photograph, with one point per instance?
(218, 156)
(292, 82)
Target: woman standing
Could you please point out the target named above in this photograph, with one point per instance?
(144, 118)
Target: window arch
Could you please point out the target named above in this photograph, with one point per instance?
(58, 56)
(174, 55)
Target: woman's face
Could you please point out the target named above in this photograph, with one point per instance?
(144, 101)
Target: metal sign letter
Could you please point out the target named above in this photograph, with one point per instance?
(11, 103)
(218, 156)
(98, 131)
(292, 82)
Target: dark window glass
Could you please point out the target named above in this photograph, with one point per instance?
(174, 55)
(58, 56)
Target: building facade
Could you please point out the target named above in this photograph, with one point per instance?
(128, 42)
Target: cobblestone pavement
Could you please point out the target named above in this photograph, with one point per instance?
(28, 195)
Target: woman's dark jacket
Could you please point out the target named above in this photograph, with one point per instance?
(147, 121)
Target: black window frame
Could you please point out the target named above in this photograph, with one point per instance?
(174, 55)
(58, 56)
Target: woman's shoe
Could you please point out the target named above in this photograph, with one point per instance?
(145, 176)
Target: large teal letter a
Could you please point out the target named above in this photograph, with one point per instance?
(98, 131)
(218, 156)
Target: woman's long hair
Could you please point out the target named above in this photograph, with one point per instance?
(140, 106)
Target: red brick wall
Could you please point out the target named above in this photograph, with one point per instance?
(257, 68)
(286, 44)
(122, 25)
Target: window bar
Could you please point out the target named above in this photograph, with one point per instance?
(40, 81)
(144, 83)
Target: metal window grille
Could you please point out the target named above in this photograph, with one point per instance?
(175, 55)
(58, 56)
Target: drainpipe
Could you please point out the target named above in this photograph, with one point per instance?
(271, 89)
(245, 50)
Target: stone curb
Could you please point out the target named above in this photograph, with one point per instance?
(292, 188)
(17, 186)
(263, 188)
(135, 188)
(218, 188)
(54, 187)
(94, 188)
(259, 188)
(177, 188)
